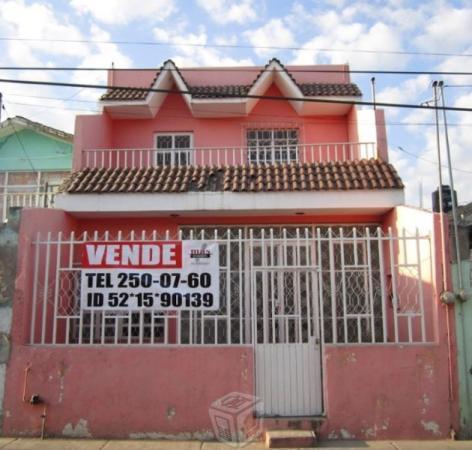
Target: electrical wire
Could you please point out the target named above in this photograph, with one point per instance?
(235, 46)
(21, 144)
(232, 69)
(267, 97)
(429, 161)
(177, 110)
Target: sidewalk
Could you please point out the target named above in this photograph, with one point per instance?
(84, 444)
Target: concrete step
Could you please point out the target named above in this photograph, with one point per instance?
(289, 438)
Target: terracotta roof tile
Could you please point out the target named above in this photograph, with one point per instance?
(329, 89)
(348, 175)
(225, 91)
(228, 91)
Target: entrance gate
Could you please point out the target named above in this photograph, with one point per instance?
(287, 345)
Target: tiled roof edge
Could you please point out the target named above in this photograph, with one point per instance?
(350, 175)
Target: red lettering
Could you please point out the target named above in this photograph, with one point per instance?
(150, 255)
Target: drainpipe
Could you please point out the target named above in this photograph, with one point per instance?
(35, 399)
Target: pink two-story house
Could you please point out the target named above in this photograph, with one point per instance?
(327, 298)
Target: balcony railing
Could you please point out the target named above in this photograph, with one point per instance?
(220, 156)
(25, 200)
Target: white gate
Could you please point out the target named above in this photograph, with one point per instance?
(286, 326)
(285, 285)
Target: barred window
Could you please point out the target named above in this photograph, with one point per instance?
(174, 149)
(272, 145)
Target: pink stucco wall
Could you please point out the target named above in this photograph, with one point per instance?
(123, 392)
(233, 75)
(371, 391)
(174, 115)
(172, 224)
(101, 132)
(91, 132)
(33, 221)
(387, 391)
(381, 131)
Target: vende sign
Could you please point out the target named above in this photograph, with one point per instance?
(156, 255)
(163, 275)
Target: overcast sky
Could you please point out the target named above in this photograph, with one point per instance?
(311, 25)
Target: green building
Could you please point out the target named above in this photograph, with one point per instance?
(34, 158)
(464, 318)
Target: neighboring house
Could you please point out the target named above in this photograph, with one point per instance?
(34, 159)
(313, 288)
(464, 316)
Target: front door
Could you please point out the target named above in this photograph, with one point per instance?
(286, 327)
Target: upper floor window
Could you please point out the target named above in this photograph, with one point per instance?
(174, 149)
(272, 145)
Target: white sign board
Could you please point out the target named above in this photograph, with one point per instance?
(160, 275)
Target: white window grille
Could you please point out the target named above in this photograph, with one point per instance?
(272, 145)
(174, 149)
(277, 284)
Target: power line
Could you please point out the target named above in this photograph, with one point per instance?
(320, 122)
(429, 161)
(21, 143)
(267, 97)
(232, 69)
(236, 46)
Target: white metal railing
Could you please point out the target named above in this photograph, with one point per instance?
(25, 200)
(219, 156)
(365, 285)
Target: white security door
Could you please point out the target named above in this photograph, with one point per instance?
(286, 327)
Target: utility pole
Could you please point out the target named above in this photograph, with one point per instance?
(372, 81)
(451, 181)
(441, 212)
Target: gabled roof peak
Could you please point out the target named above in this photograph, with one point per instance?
(233, 96)
(8, 127)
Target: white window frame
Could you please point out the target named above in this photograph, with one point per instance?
(175, 156)
(272, 154)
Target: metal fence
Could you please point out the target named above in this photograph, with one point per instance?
(25, 200)
(364, 286)
(219, 156)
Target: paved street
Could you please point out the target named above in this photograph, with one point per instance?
(70, 444)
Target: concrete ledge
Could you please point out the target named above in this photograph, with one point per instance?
(360, 201)
(289, 438)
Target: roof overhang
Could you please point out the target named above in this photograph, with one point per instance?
(321, 108)
(274, 73)
(15, 124)
(230, 203)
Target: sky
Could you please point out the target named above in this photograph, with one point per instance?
(398, 35)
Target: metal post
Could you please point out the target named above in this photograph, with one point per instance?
(451, 181)
(441, 218)
(372, 80)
